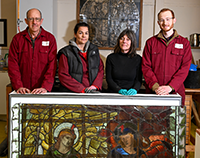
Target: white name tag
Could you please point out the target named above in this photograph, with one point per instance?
(45, 43)
(179, 46)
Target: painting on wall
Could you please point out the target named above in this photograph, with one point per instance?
(108, 18)
(3, 32)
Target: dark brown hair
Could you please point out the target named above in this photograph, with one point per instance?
(131, 35)
(81, 24)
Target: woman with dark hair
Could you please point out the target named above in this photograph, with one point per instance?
(123, 67)
(80, 66)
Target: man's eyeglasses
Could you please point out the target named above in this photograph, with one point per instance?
(167, 20)
(36, 19)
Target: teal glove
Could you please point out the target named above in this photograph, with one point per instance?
(122, 91)
(131, 92)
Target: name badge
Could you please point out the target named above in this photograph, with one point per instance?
(179, 46)
(45, 43)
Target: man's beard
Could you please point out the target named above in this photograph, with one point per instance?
(169, 28)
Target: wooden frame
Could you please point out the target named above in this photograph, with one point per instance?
(3, 32)
(139, 4)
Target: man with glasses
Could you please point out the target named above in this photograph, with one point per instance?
(32, 60)
(166, 58)
(32, 57)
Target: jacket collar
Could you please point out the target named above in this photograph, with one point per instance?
(160, 35)
(26, 34)
(72, 42)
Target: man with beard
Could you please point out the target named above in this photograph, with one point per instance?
(166, 58)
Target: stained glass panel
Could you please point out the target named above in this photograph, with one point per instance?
(95, 129)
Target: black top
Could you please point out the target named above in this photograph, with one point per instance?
(123, 72)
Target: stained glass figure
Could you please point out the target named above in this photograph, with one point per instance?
(97, 129)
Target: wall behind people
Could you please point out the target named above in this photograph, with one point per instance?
(45, 6)
(66, 20)
(186, 13)
(8, 11)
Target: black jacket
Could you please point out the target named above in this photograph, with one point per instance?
(75, 64)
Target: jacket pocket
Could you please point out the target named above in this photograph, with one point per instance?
(43, 55)
(178, 52)
(156, 56)
(24, 56)
(177, 57)
(155, 52)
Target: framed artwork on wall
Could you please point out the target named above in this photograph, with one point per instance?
(108, 18)
(3, 32)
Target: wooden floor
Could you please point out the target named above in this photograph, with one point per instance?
(193, 134)
(3, 123)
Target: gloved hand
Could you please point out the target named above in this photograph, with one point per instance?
(131, 92)
(122, 91)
